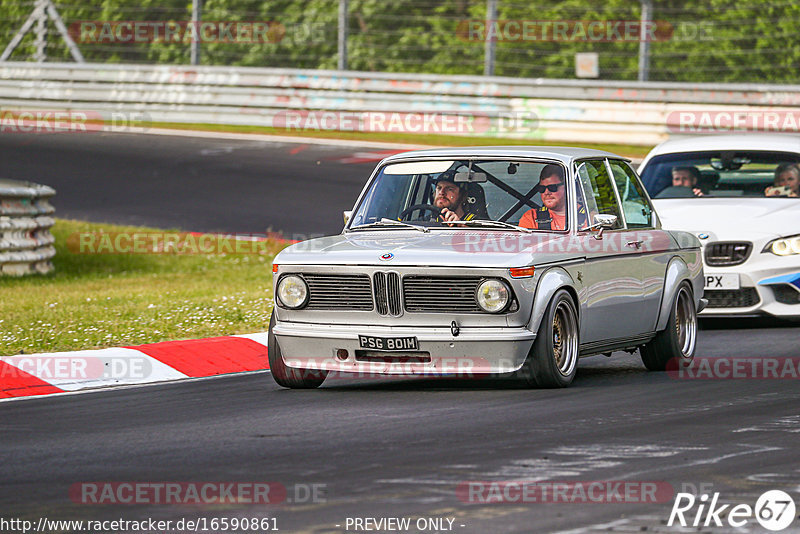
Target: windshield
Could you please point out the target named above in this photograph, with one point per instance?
(425, 192)
(723, 174)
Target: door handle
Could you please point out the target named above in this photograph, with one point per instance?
(634, 244)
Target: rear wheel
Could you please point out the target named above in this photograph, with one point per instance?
(676, 342)
(289, 377)
(553, 359)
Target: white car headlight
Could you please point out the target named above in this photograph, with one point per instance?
(785, 246)
(493, 296)
(293, 292)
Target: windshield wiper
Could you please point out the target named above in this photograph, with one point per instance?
(486, 222)
(388, 222)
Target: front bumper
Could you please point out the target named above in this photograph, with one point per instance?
(765, 277)
(473, 351)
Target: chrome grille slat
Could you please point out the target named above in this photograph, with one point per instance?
(393, 293)
(334, 291)
(379, 291)
(440, 294)
(386, 290)
(387, 293)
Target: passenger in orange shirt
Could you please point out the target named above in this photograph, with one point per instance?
(553, 214)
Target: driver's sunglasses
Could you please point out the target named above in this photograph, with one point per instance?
(552, 187)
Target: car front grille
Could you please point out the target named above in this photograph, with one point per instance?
(442, 294)
(338, 292)
(390, 295)
(725, 254)
(732, 298)
(386, 289)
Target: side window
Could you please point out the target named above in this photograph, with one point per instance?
(638, 212)
(598, 191)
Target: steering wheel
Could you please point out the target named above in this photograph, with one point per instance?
(423, 207)
(676, 191)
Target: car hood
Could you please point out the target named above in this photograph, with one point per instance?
(731, 219)
(436, 248)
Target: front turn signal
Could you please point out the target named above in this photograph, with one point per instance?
(521, 272)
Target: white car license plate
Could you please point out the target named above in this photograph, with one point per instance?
(722, 281)
(388, 343)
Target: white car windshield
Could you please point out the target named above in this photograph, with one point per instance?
(731, 173)
(477, 190)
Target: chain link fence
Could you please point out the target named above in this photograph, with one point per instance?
(719, 41)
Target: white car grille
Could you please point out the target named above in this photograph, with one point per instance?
(390, 295)
(726, 254)
(338, 292)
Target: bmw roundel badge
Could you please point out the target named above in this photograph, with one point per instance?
(703, 236)
(388, 256)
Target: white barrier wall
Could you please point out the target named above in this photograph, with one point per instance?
(637, 113)
(26, 244)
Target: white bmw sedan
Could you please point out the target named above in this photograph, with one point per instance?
(740, 195)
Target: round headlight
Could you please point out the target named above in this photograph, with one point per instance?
(493, 296)
(293, 291)
(782, 247)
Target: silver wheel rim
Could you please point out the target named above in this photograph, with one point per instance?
(565, 338)
(685, 323)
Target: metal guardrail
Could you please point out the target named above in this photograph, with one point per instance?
(26, 244)
(641, 113)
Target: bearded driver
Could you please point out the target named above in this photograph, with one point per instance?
(553, 214)
(452, 200)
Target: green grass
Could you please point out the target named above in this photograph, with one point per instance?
(100, 300)
(631, 151)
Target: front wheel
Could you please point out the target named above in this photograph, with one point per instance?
(678, 340)
(553, 359)
(289, 377)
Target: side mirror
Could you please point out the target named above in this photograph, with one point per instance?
(346, 215)
(603, 222)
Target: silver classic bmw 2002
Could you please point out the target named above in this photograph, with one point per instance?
(484, 261)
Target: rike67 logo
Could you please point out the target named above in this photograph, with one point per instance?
(774, 510)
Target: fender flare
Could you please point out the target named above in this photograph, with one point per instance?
(677, 273)
(552, 280)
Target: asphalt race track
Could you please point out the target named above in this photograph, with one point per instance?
(400, 448)
(193, 184)
(375, 448)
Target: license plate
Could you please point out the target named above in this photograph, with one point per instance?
(722, 281)
(388, 343)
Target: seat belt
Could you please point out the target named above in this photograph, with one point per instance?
(543, 219)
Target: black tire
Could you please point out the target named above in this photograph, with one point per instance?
(675, 345)
(553, 359)
(289, 377)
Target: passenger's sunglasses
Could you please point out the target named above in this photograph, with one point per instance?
(552, 187)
